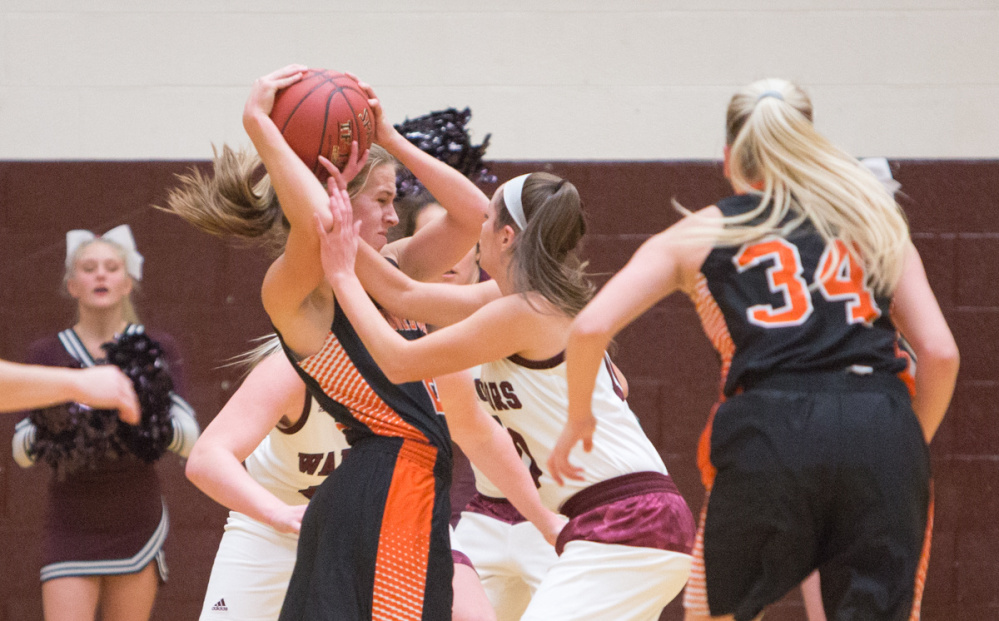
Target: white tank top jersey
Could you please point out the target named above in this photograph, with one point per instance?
(531, 399)
(291, 462)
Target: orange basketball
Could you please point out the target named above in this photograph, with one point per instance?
(322, 114)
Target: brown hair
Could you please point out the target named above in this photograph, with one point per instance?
(239, 201)
(544, 254)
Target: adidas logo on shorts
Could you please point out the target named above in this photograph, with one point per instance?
(220, 606)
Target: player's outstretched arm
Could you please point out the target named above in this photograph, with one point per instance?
(26, 386)
(489, 447)
(917, 315)
(270, 392)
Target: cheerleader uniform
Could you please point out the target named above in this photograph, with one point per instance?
(374, 542)
(814, 457)
(625, 552)
(254, 561)
(84, 532)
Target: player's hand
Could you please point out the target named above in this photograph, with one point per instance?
(288, 519)
(385, 132)
(554, 524)
(355, 163)
(105, 387)
(261, 99)
(576, 429)
(338, 239)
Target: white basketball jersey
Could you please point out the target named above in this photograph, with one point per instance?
(291, 462)
(531, 399)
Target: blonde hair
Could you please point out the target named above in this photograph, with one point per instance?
(127, 306)
(239, 201)
(800, 175)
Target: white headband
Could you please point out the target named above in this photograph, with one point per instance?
(882, 171)
(512, 190)
(121, 235)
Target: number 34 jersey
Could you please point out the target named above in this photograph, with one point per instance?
(530, 398)
(794, 304)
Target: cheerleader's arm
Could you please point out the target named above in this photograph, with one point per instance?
(23, 443)
(185, 426)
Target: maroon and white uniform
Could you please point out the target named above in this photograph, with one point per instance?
(254, 562)
(85, 533)
(625, 552)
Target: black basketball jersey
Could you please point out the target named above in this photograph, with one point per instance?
(349, 385)
(767, 311)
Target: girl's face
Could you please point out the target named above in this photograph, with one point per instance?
(375, 206)
(99, 279)
(492, 242)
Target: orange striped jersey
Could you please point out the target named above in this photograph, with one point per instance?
(794, 303)
(350, 387)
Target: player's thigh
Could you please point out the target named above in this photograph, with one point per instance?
(601, 581)
(470, 601)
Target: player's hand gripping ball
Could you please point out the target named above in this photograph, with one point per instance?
(322, 114)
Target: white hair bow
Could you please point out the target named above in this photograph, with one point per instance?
(879, 166)
(120, 235)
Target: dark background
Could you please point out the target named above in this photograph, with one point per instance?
(206, 294)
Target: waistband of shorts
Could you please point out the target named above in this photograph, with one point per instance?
(851, 379)
(624, 486)
(497, 508)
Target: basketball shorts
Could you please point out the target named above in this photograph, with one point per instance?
(251, 571)
(509, 554)
(374, 541)
(826, 471)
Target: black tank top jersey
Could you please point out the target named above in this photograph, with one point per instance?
(347, 383)
(766, 313)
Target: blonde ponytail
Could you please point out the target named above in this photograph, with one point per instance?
(775, 152)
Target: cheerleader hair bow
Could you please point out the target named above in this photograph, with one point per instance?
(121, 235)
(882, 171)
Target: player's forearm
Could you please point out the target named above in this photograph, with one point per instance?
(936, 376)
(24, 386)
(584, 355)
(465, 203)
(488, 446)
(223, 478)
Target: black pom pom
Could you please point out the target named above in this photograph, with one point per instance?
(141, 359)
(443, 135)
(71, 437)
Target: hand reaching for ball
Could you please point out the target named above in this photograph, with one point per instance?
(265, 88)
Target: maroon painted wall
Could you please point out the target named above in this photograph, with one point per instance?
(206, 293)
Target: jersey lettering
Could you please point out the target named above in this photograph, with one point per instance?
(499, 396)
(506, 388)
(784, 278)
(840, 277)
(520, 444)
(309, 462)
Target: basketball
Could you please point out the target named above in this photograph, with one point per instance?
(322, 114)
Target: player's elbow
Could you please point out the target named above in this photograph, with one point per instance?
(196, 470)
(588, 328)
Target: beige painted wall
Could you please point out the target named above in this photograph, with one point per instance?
(571, 79)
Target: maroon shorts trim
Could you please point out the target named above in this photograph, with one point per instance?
(642, 509)
(496, 508)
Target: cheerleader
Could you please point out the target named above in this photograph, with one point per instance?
(91, 557)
